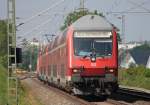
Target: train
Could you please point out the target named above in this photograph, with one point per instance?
(83, 59)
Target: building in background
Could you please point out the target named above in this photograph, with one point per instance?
(129, 45)
(125, 59)
(148, 63)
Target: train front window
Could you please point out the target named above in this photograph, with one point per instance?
(87, 42)
(82, 46)
(103, 47)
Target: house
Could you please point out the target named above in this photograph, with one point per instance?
(128, 46)
(148, 63)
(140, 55)
(125, 59)
(133, 54)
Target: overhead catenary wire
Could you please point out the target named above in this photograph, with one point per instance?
(115, 4)
(65, 12)
(44, 23)
(124, 12)
(129, 11)
(35, 28)
(40, 13)
(136, 6)
(140, 5)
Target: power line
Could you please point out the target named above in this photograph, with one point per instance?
(139, 5)
(42, 24)
(130, 9)
(115, 4)
(49, 37)
(40, 13)
(124, 12)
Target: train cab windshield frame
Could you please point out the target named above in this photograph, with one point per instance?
(87, 42)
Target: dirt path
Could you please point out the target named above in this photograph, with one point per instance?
(44, 95)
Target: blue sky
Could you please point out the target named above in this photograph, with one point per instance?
(136, 25)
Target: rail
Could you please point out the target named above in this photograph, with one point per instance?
(142, 93)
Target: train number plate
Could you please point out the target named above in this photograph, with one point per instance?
(93, 64)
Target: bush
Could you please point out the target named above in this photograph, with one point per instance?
(135, 77)
(147, 73)
(3, 61)
(137, 71)
(3, 85)
(131, 71)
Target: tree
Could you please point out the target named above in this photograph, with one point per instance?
(73, 16)
(119, 38)
(3, 37)
(29, 56)
(3, 42)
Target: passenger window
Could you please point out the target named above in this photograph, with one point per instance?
(54, 70)
(62, 70)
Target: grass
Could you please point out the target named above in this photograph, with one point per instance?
(24, 97)
(135, 77)
(3, 85)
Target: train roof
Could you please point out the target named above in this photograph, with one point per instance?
(92, 22)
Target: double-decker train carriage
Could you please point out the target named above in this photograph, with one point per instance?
(84, 59)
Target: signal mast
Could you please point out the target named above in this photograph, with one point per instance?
(11, 43)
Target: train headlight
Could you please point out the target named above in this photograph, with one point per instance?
(75, 70)
(93, 59)
(111, 70)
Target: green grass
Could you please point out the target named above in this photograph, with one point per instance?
(23, 98)
(23, 95)
(135, 77)
(3, 85)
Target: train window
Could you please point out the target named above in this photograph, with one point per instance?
(85, 44)
(40, 70)
(54, 70)
(62, 70)
(103, 47)
(48, 70)
(44, 71)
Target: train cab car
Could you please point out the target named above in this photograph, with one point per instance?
(92, 44)
(84, 59)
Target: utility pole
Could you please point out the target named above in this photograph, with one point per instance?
(123, 29)
(11, 43)
(82, 4)
(82, 9)
(49, 37)
(124, 39)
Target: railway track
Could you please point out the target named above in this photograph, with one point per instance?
(66, 95)
(89, 100)
(131, 97)
(124, 96)
(136, 93)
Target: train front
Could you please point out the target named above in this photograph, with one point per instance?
(93, 52)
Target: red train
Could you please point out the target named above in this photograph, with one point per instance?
(84, 59)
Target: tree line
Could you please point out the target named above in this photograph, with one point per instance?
(3, 42)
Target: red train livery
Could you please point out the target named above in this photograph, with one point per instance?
(84, 59)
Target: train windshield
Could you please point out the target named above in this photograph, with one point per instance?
(87, 42)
